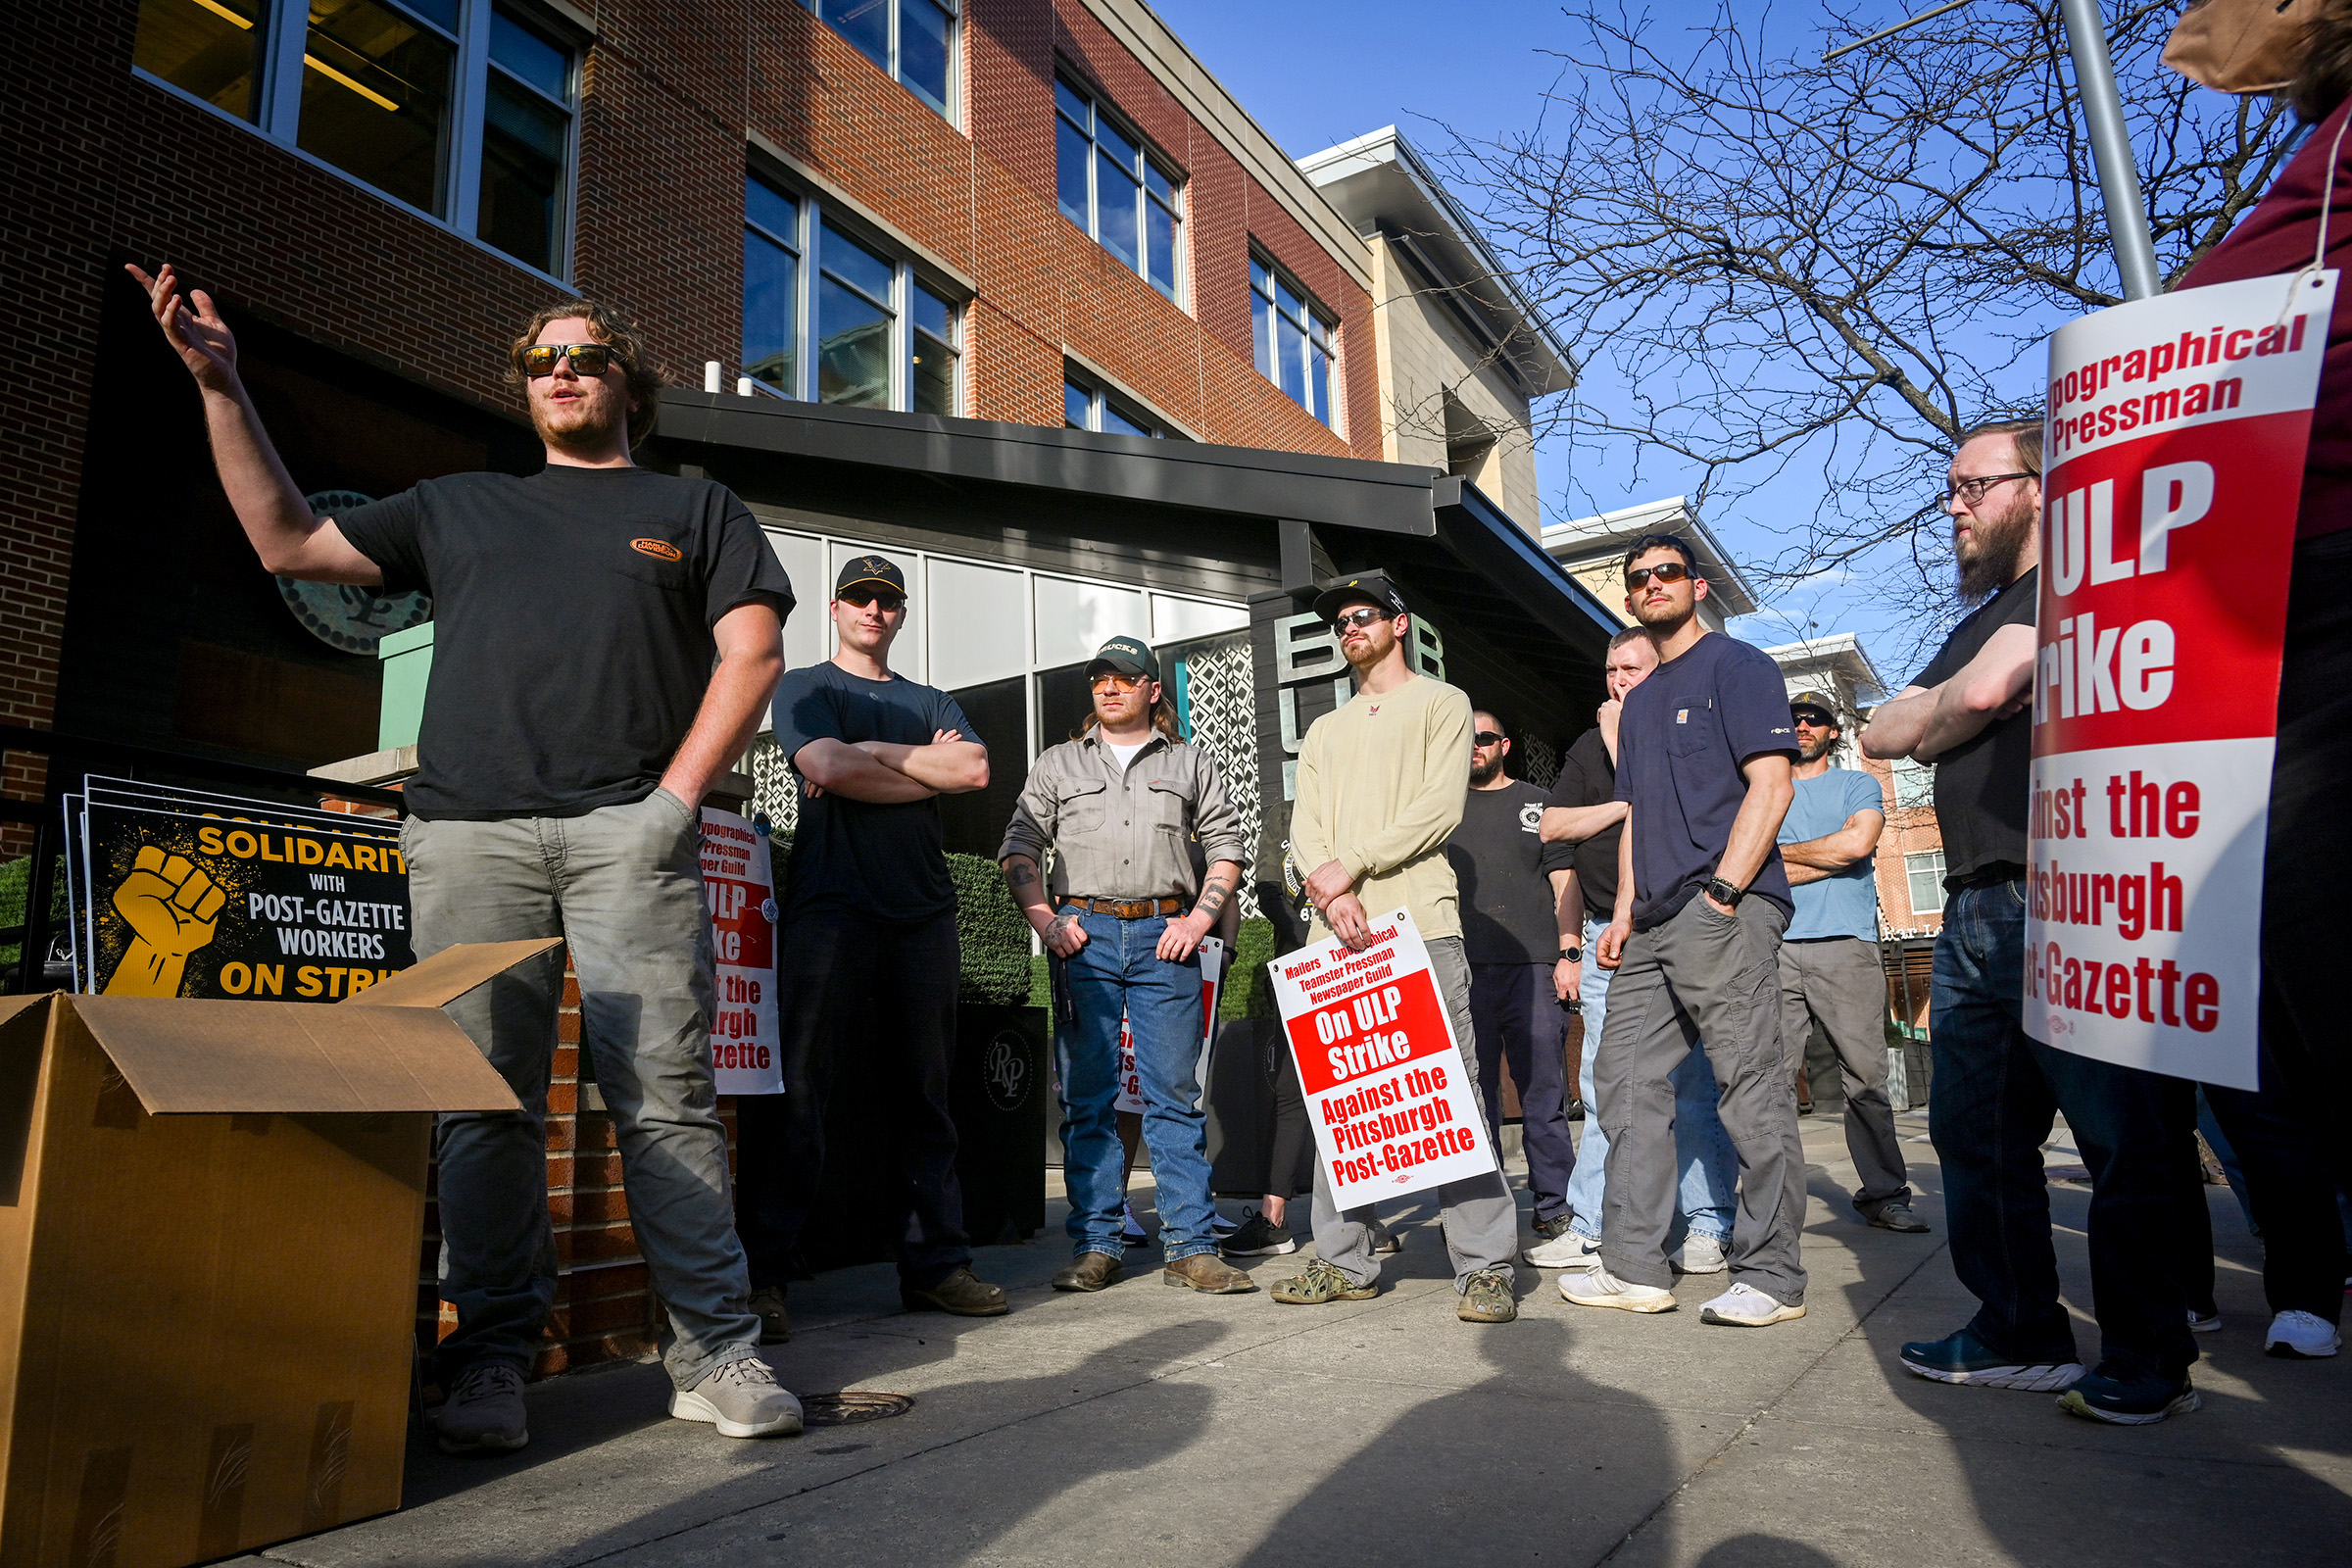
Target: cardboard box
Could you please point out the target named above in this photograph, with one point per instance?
(210, 1220)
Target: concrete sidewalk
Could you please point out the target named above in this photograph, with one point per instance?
(1149, 1426)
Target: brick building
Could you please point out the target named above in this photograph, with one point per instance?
(912, 224)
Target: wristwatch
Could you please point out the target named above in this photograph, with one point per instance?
(1723, 893)
(1573, 955)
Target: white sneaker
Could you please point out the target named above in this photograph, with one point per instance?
(1745, 1306)
(1564, 1251)
(2301, 1337)
(1699, 1255)
(1132, 1231)
(1219, 1226)
(1598, 1287)
(2204, 1322)
(743, 1400)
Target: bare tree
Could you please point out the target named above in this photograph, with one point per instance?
(1770, 266)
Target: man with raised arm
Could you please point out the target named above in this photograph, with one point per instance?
(603, 640)
(1382, 783)
(868, 961)
(1703, 754)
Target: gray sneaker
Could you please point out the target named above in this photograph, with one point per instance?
(742, 1399)
(484, 1412)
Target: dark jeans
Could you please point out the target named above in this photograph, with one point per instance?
(1292, 1137)
(2289, 1195)
(886, 989)
(1996, 1094)
(1518, 1019)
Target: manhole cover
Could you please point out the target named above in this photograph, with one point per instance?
(854, 1405)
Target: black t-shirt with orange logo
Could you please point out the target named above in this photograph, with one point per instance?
(571, 627)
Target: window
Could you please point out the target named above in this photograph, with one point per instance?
(464, 111)
(913, 41)
(1926, 872)
(1293, 339)
(1110, 186)
(883, 338)
(1087, 406)
(1914, 784)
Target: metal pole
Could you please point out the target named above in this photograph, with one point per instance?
(2110, 148)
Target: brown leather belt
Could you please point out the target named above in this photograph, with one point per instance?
(1132, 909)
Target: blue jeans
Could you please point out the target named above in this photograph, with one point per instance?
(1994, 1096)
(1119, 971)
(1710, 1181)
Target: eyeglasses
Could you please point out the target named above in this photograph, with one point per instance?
(1117, 681)
(1347, 621)
(862, 597)
(1486, 737)
(1969, 491)
(587, 359)
(1663, 571)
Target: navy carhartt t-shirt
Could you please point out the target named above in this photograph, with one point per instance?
(1679, 741)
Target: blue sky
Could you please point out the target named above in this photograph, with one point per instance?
(1315, 72)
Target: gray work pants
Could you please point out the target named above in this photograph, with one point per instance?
(1839, 983)
(623, 886)
(1702, 976)
(1481, 1220)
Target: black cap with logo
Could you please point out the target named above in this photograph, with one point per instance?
(1815, 702)
(878, 572)
(1370, 588)
(1126, 654)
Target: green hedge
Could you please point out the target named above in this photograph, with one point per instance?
(15, 878)
(994, 933)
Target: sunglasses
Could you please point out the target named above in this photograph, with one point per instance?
(587, 359)
(1663, 571)
(1486, 737)
(1117, 681)
(1347, 621)
(862, 597)
(1813, 719)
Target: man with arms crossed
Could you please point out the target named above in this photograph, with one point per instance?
(869, 958)
(1703, 754)
(1830, 969)
(1996, 1088)
(1121, 805)
(1512, 887)
(1583, 810)
(1381, 786)
(573, 721)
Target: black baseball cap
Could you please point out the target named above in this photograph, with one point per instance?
(878, 572)
(1128, 656)
(1371, 588)
(1816, 703)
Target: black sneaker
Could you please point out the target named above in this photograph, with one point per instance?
(1962, 1358)
(1896, 1215)
(1257, 1237)
(2137, 1401)
(1552, 1229)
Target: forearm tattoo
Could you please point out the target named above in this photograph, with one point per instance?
(1021, 874)
(1212, 897)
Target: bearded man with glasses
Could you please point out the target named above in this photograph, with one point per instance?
(604, 637)
(1121, 804)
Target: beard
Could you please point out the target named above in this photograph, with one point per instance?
(1815, 751)
(1988, 562)
(592, 423)
(1482, 773)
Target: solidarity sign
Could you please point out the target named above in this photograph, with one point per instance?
(740, 887)
(2175, 434)
(1384, 1082)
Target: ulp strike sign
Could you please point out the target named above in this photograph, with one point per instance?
(745, 1051)
(2174, 437)
(1384, 1082)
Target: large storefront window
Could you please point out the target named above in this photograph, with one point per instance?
(461, 109)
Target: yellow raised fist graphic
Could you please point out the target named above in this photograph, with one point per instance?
(170, 906)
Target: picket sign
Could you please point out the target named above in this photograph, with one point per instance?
(739, 886)
(1130, 1097)
(2173, 444)
(1391, 1109)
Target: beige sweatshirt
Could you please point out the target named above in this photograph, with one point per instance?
(1382, 783)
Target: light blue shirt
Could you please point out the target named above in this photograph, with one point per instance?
(1843, 904)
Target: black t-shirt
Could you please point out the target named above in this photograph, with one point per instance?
(1588, 778)
(883, 860)
(1981, 785)
(1503, 868)
(1679, 741)
(571, 627)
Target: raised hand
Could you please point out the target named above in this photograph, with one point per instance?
(203, 341)
(170, 906)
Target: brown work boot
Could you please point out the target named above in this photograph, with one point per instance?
(768, 1301)
(1090, 1271)
(959, 1293)
(1209, 1274)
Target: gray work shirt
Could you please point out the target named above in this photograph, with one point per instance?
(1126, 833)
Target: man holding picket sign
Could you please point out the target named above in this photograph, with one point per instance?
(1381, 786)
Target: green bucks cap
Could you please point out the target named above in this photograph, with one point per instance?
(1127, 655)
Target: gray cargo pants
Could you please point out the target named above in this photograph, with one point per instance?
(1837, 981)
(1702, 975)
(1481, 1220)
(623, 886)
